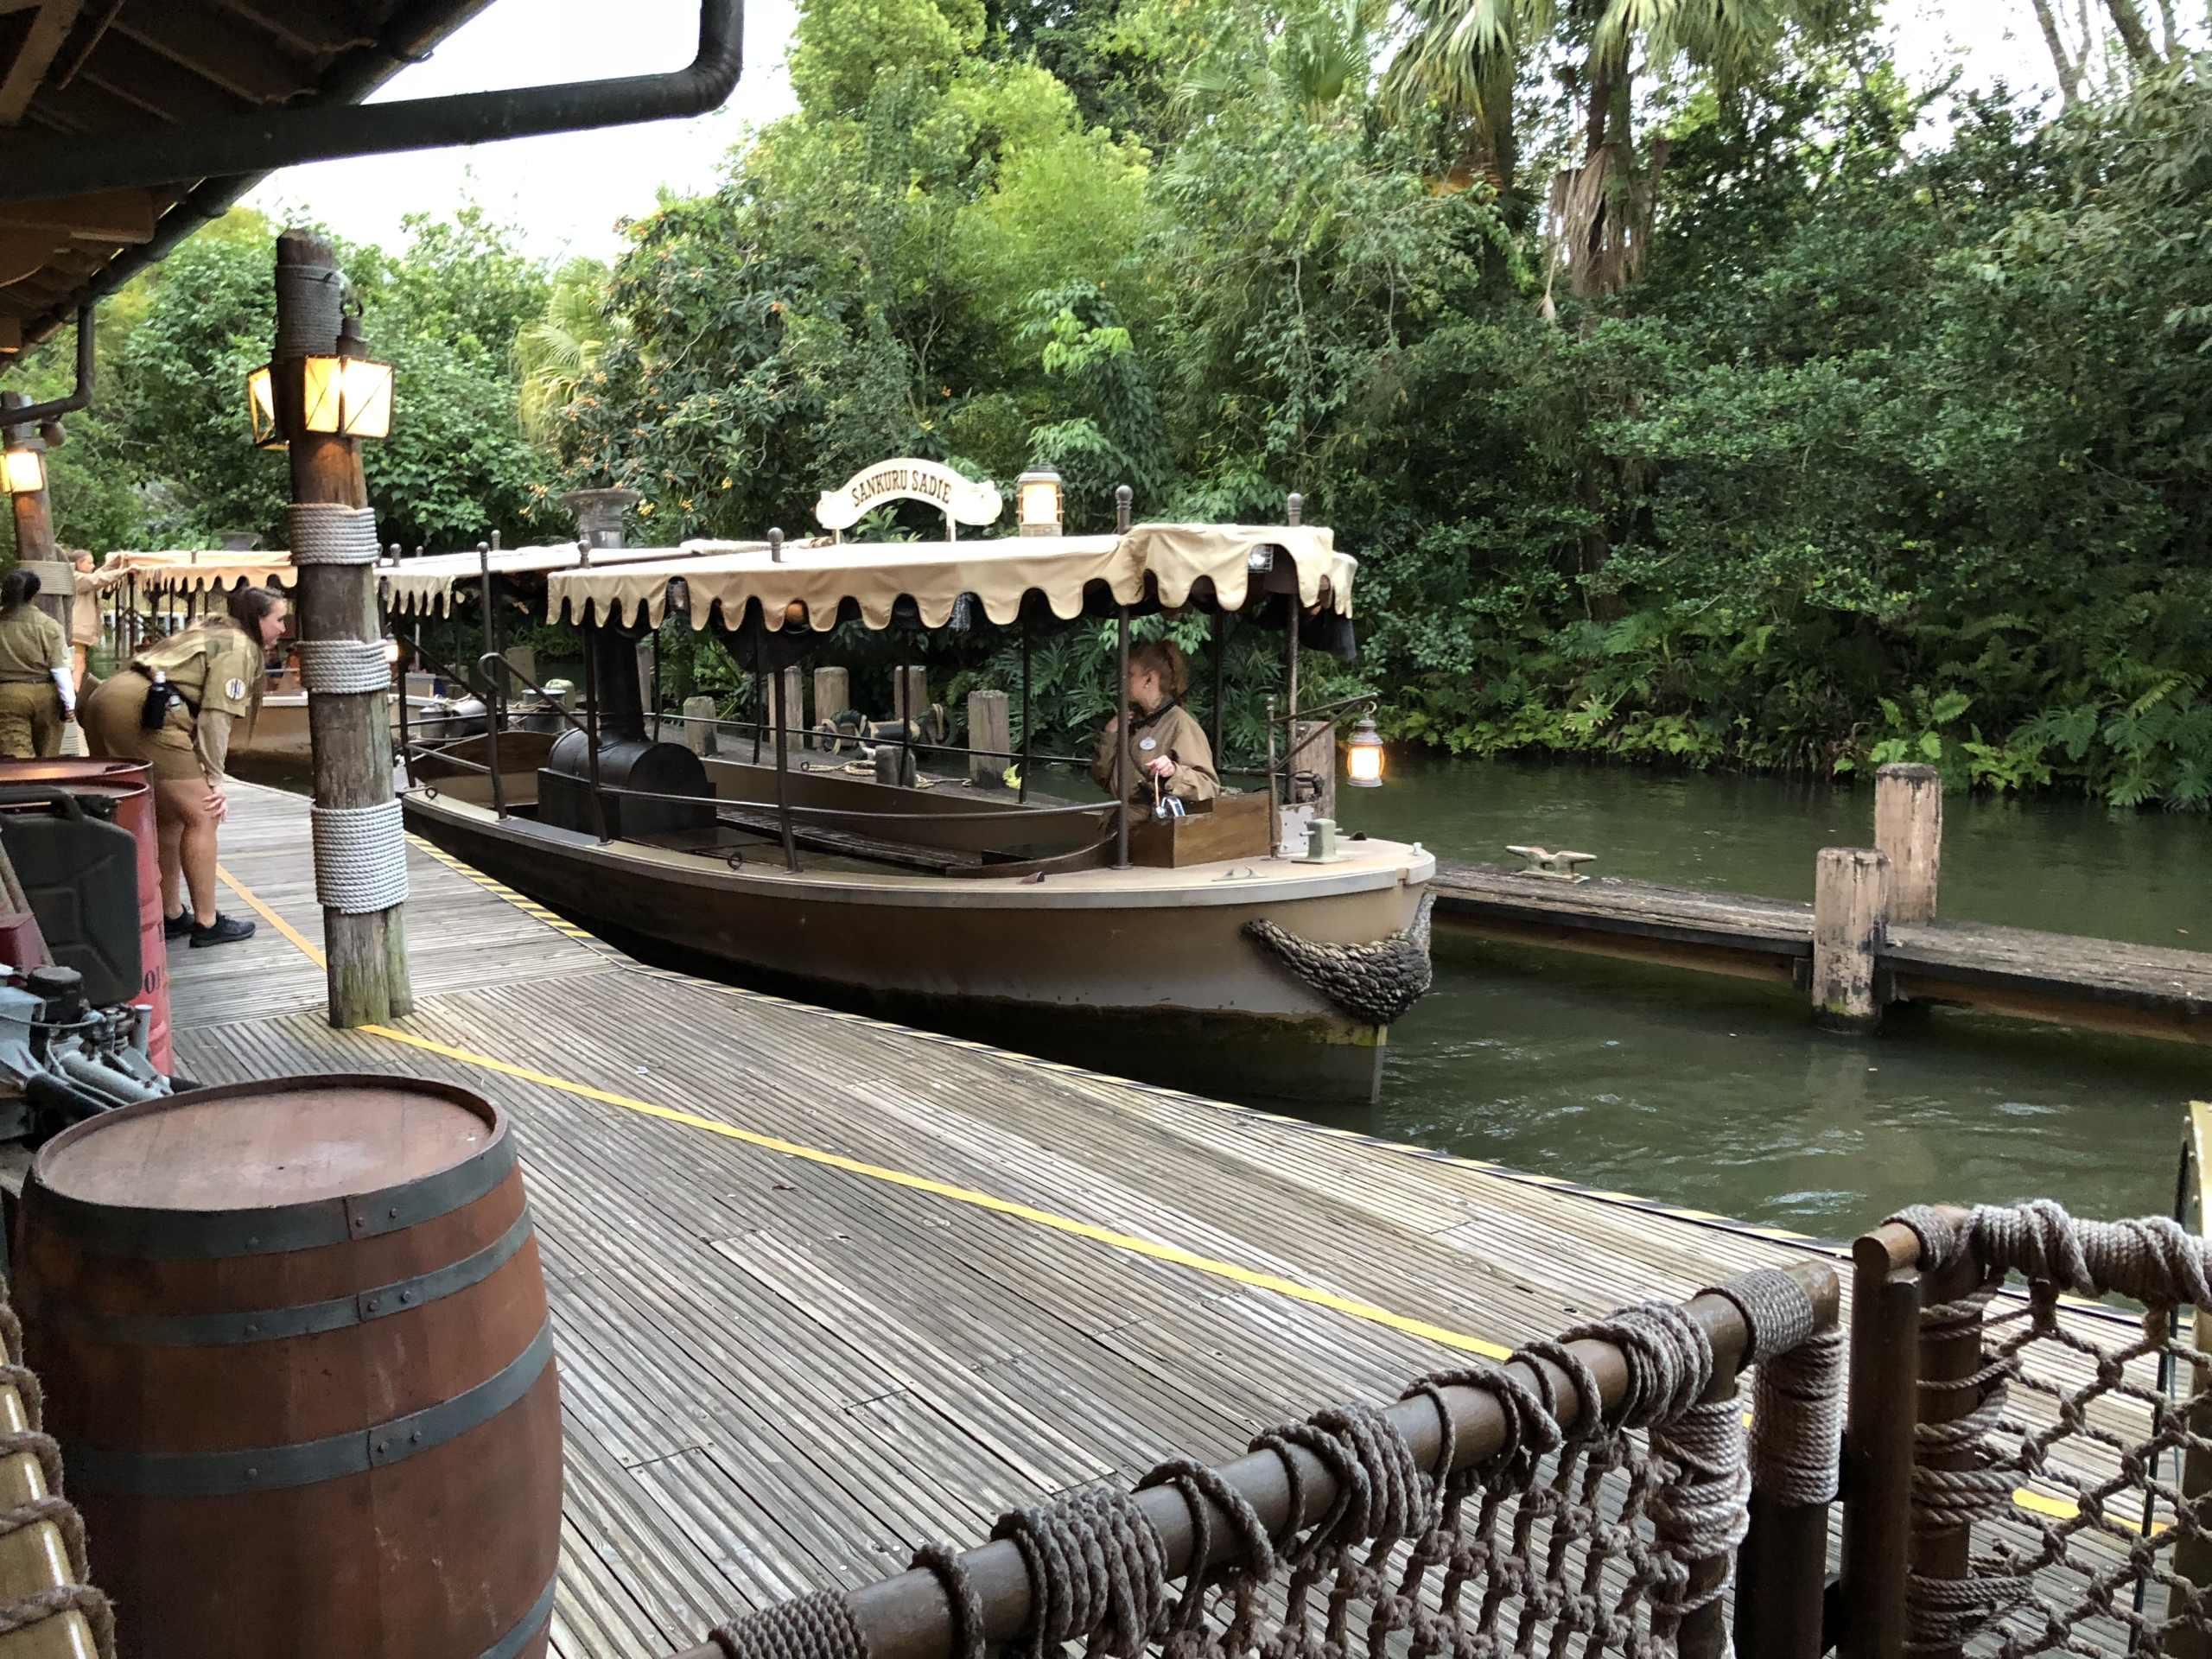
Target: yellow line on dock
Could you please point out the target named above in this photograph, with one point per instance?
(1174, 1254)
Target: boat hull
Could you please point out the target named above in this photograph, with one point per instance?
(1145, 973)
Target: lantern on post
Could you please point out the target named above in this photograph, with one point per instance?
(23, 468)
(1038, 494)
(1363, 757)
(345, 394)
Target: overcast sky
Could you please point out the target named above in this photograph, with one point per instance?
(567, 193)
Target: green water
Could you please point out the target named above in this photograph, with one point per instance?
(1718, 1094)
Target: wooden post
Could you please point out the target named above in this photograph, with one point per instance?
(698, 725)
(1850, 897)
(990, 739)
(833, 693)
(910, 692)
(366, 951)
(1881, 1407)
(1909, 830)
(2192, 1550)
(34, 545)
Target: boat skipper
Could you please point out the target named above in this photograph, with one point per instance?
(211, 675)
(38, 694)
(1172, 756)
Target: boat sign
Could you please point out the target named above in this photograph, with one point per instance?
(961, 501)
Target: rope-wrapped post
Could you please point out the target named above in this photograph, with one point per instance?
(1881, 1416)
(1951, 1390)
(1796, 1429)
(360, 850)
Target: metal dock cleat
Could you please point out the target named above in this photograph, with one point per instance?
(1552, 867)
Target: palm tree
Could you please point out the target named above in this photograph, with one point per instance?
(1466, 58)
(554, 355)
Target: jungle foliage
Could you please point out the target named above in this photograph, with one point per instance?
(1693, 386)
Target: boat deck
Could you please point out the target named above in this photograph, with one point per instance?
(2100, 984)
(825, 1289)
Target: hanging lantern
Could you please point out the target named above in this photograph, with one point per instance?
(1363, 757)
(1037, 491)
(261, 403)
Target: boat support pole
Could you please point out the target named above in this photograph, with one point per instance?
(1220, 676)
(1274, 816)
(1023, 794)
(784, 778)
(491, 685)
(1122, 745)
(591, 723)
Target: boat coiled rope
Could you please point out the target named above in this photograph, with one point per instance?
(1096, 1567)
(1375, 984)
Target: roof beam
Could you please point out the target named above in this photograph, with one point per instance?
(49, 30)
(195, 38)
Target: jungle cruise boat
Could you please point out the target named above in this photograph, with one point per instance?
(1225, 949)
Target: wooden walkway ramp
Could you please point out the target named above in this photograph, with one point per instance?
(2100, 984)
(825, 1289)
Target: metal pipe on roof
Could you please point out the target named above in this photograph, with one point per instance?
(250, 144)
(30, 415)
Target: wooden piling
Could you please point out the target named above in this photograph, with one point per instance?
(1850, 898)
(910, 692)
(990, 739)
(790, 713)
(1909, 831)
(698, 725)
(833, 693)
(366, 954)
(2192, 1549)
(1877, 1444)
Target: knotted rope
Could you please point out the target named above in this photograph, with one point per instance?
(1096, 1573)
(818, 1626)
(53, 1509)
(2154, 1260)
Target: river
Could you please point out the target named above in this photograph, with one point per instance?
(1718, 1094)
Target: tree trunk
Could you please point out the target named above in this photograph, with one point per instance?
(2128, 19)
(2069, 73)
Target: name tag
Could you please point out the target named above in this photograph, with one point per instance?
(1147, 743)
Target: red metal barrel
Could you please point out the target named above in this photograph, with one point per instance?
(296, 1348)
(127, 781)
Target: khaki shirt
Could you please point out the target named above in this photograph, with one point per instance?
(215, 666)
(84, 613)
(1170, 731)
(32, 645)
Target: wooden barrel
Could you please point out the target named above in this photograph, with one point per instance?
(295, 1346)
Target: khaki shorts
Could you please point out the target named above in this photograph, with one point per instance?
(30, 721)
(111, 717)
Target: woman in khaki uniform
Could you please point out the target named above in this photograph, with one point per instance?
(212, 676)
(38, 694)
(1172, 754)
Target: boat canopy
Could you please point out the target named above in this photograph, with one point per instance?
(185, 570)
(812, 585)
(428, 583)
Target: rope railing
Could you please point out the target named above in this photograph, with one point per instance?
(2033, 1479)
(1478, 1515)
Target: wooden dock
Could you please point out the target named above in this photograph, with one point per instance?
(2137, 990)
(825, 1289)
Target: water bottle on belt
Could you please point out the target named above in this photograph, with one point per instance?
(159, 700)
